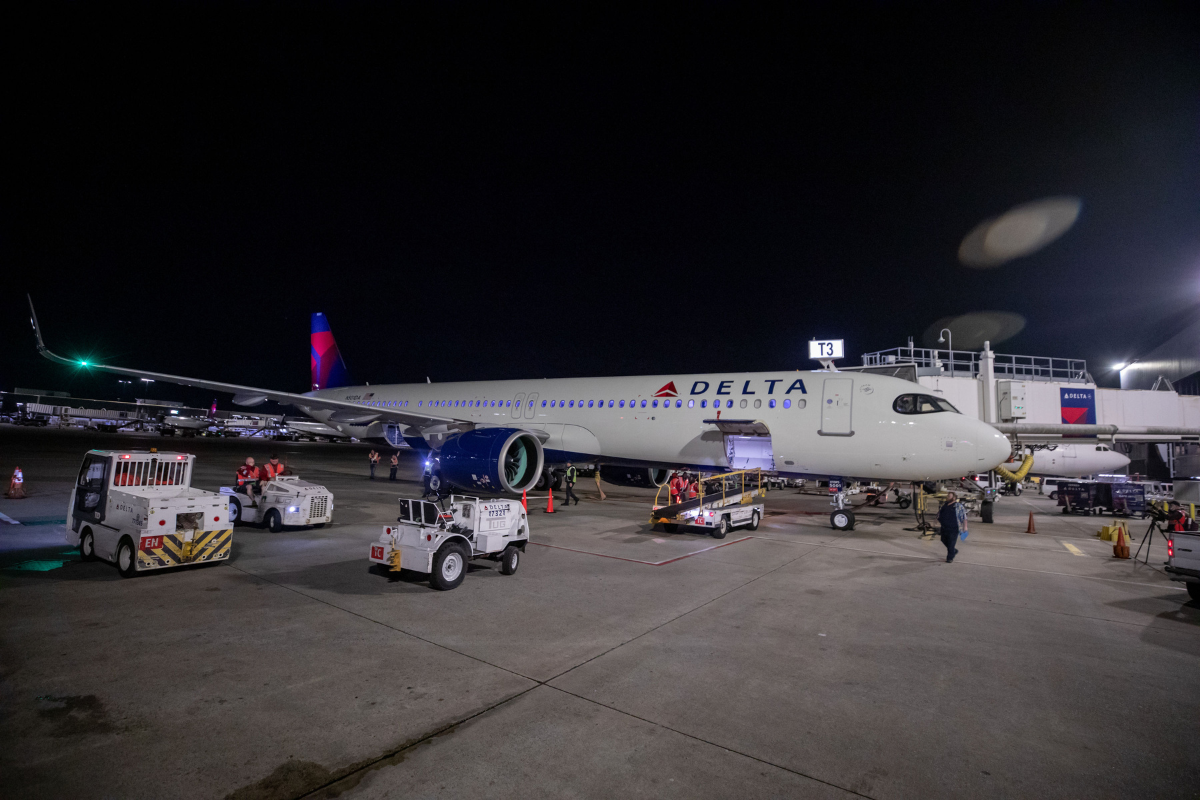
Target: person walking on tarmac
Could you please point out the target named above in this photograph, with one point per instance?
(373, 459)
(393, 465)
(572, 474)
(953, 518)
(247, 479)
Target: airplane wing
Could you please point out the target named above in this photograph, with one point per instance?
(347, 411)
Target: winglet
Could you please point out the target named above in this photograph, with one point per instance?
(41, 345)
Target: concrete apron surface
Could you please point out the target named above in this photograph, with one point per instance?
(619, 661)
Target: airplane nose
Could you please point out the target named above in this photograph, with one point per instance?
(993, 448)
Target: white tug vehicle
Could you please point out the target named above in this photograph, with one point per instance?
(442, 543)
(138, 509)
(285, 500)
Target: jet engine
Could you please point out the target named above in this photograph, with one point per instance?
(492, 460)
(646, 478)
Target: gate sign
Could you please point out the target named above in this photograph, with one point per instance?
(1078, 406)
(826, 348)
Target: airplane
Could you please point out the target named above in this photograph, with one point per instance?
(504, 436)
(1076, 460)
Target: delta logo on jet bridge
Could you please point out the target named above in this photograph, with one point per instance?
(1078, 406)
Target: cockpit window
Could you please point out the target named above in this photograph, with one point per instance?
(921, 404)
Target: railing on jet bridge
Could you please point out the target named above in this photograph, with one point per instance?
(967, 363)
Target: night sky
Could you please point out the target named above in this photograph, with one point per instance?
(470, 192)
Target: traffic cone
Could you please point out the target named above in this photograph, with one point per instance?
(1031, 528)
(16, 487)
(524, 501)
(549, 509)
(1121, 549)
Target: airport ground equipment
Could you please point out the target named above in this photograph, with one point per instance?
(1183, 560)
(138, 509)
(1096, 497)
(441, 543)
(726, 502)
(285, 500)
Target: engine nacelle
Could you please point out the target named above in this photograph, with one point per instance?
(643, 477)
(492, 460)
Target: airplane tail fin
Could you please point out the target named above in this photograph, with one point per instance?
(328, 368)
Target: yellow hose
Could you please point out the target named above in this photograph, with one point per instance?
(1015, 477)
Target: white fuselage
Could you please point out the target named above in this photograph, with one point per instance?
(1077, 460)
(820, 423)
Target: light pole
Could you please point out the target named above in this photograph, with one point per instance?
(948, 337)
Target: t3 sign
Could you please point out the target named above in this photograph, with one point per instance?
(1078, 406)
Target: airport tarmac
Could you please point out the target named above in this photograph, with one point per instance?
(795, 660)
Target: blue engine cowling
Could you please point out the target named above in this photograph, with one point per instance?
(646, 478)
(492, 460)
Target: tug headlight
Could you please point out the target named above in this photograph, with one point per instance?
(293, 509)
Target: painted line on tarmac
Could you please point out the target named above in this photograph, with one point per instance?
(971, 563)
(1074, 550)
(9, 520)
(648, 563)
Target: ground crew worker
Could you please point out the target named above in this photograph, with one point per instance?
(271, 469)
(693, 489)
(373, 459)
(572, 474)
(395, 463)
(427, 478)
(676, 488)
(247, 478)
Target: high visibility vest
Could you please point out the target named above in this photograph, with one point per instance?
(272, 470)
(571, 472)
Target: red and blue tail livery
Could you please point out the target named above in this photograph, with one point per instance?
(328, 368)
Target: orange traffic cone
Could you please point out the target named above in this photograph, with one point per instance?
(524, 501)
(16, 487)
(549, 509)
(1121, 549)
(1031, 528)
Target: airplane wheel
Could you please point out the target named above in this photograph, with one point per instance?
(722, 528)
(435, 483)
(754, 521)
(556, 481)
(274, 521)
(543, 481)
(842, 520)
(87, 546)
